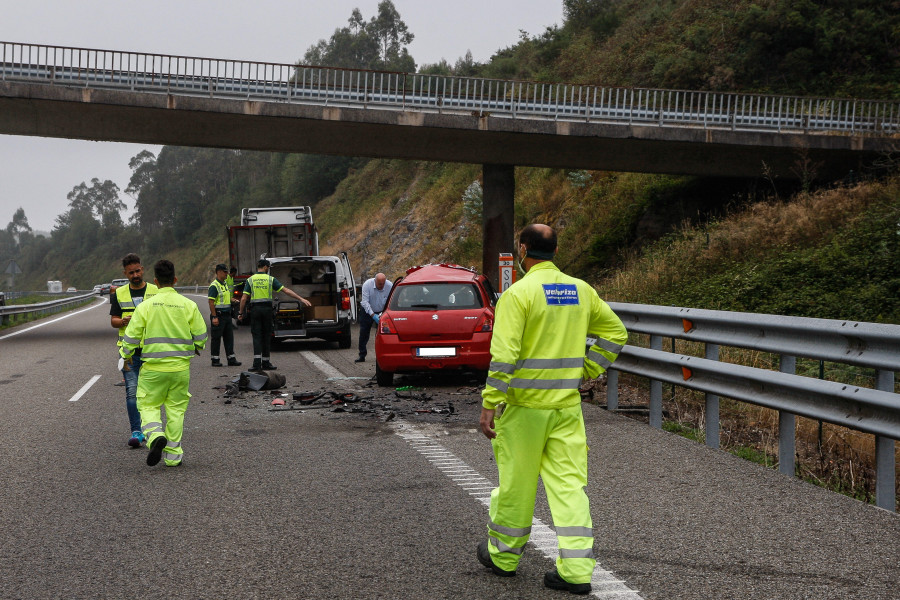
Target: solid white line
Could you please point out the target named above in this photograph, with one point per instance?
(71, 314)
(542, 535)
(84, 388)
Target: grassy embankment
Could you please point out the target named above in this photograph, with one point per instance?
(831, 254)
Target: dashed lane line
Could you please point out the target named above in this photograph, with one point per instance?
(84, 388)
(603, 583)
(321, 364)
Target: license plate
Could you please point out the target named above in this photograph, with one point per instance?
(436, 352)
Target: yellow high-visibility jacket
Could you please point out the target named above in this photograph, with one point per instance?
(126, 302)
(169, 327)
(541, 325)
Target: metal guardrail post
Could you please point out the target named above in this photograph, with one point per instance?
(787, 423)
(612, 390)
(712, 404)
(885, 461)
(656, 389)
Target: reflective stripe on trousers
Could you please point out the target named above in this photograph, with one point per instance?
(164, 388)
(534, 442)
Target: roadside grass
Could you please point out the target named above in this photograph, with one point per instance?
(828, 254)
(15, 320)
(827, 455)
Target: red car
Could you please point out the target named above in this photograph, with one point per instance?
(437, 317)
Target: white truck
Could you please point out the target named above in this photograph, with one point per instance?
(287, 237)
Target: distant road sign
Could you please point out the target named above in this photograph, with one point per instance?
(13, 268)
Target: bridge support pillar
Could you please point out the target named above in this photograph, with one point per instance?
(498, 211)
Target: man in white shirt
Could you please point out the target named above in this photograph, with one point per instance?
(375, 292)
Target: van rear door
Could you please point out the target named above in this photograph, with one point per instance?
(351, 284)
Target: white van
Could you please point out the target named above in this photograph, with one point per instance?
(327, 282)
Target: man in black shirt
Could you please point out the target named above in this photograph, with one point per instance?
(121, 306)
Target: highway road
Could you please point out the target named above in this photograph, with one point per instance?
(384, 502)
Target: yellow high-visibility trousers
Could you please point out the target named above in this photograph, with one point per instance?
(552, 444)
(155, 390)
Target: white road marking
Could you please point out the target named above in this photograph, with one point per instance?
(321, 364)
(84, 388)
(603, 583)
(71, 314)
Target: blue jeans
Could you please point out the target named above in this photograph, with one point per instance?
(131, 381)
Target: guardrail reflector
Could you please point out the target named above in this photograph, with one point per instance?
(687, 325)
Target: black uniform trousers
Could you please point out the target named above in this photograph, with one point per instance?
(262, 323)
(224, 331)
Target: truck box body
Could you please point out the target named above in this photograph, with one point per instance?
(288, 238)
(248, 242)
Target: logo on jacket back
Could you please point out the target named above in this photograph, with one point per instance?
(558, 294)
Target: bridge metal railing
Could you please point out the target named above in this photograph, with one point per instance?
(229, 79)
(868, 345)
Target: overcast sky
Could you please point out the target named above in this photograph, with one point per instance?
(37, 173)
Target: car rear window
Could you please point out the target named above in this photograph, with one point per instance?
(436, 296)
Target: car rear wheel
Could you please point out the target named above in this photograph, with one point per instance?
(384, 378)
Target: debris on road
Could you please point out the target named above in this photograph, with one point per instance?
(339, 398)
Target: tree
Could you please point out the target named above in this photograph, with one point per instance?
(380, 43)
(143, 170)
(18, 225)
(393, 37)
(101, 200)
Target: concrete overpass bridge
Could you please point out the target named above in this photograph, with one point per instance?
(119, 96)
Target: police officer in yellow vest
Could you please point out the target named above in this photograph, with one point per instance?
(537, 364)
(171, 331)
(121, 307)
(260, 290)
(221, 328)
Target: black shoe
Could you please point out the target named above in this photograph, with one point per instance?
(267, 366)
(360, 359)
(156, 450)
(233, 362)
(484, 557)
(255, 366)
(552, 580)
(216, 363)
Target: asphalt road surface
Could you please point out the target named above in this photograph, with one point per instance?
(373, 493)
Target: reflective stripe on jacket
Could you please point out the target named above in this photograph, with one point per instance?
(223, 299)
(538, 346)
(169, 327)
(261, 288)
(126, 302)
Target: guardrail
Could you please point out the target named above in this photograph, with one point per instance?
(872, 345)
(42, 308)
(278, 82)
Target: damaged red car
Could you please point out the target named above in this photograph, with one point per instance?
(438, 317)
